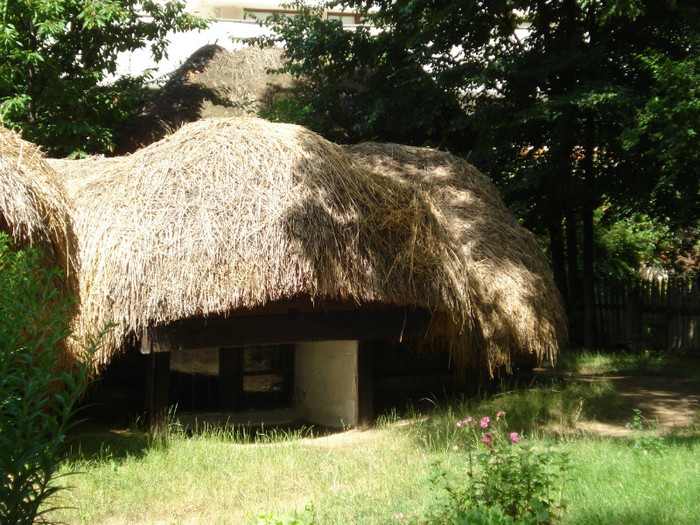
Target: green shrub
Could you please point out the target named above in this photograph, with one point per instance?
(644, 441)
(507, 481)
(37, 397)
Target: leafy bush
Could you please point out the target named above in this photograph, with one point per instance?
(37, 397)
(644, 441)
(625, 244)
(507, 481)
(490, 516)
(44, 43)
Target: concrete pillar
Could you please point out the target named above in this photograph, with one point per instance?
(326, 382)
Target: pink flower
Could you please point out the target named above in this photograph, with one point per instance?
(514, 437)
(487, 441)
(500, 413)
(484, 422)
(464, 422)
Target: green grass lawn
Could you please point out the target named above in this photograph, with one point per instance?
(383, 475)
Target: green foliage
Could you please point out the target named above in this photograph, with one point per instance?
(270, 519)
(665, 130)
(644, 442)
(506, 481)
(626, 243)
(37, 396)
(308, 517)
(567, 105)
(56, 55)
(549, 106)
(360, 85)
(482, 515)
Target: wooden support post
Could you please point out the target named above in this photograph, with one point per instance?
(157, 387)
(231, 378)
(365, 384)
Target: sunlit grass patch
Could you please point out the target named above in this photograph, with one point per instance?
(613, 483)
(383, 475)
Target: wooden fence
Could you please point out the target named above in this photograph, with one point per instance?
(638, 314)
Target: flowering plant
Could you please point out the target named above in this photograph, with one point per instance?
(505, 475)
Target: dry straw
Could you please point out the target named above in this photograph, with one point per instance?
(35, 213)
(33, 202)
(228, 214)
(517, 306)
(212, 83)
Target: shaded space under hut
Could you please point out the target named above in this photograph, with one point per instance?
(213, 82)
(258, 255)
(519, 315)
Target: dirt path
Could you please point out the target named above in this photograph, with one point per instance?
(670, 402)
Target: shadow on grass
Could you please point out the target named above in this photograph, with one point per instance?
(249, 434)
(685, 439)
(96, 441)
(92, 441)
(648, 515)
(546, 407)
(649, 363)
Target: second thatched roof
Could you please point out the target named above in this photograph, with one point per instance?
(212, 83)
(231, 214)
(516, 303)
(33, 202)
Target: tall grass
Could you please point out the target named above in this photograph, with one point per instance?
(381, 475)
(645, 363)
(613, 483)
(215, 478)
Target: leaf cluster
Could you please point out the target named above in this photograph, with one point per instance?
(358, 84)
(37, 395)
(567, 105)
(55, 59)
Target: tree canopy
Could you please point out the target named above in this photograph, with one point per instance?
(569, 105)
(55, 56)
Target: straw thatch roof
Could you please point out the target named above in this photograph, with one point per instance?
(517, 306)
(33, 202)
(231, 214)
(213, 82)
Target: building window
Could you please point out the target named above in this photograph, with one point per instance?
(347, 19)
(233, 379)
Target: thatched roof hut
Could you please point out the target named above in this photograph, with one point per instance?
(212, 83)
(231, 214)
(516, 303)
(33, 202)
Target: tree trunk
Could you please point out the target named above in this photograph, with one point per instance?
(589, 336)
(31, 78)
(572, 252)
(556, 248)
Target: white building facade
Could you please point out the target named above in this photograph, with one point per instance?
(230, 20)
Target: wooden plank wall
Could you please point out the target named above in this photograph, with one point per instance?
(637, 314)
